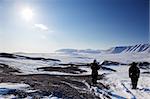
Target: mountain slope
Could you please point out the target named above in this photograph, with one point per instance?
(131, 49)
(114, 50)
(79, 51)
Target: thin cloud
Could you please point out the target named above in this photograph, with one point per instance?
(43, 37)
(41, 27)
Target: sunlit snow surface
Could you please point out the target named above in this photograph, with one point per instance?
(119, 82)
(7, 91)
(8, 88)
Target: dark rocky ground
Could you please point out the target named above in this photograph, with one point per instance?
(14, 56)
(69, 69)
(66, 87)
(72, 68)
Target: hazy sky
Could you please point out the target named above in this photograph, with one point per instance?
(47, 25)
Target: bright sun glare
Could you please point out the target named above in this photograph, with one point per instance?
(27, 14)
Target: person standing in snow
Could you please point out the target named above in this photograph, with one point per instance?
(134, 73)
(95, 67)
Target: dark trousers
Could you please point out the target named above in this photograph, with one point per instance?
(94, 77)
(94, 80)
(134, 82)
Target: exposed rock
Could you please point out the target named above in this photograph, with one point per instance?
(8, 55)
(70, 69)
(111, 63)
(7, 69)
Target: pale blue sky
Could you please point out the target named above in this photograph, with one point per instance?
(81, 24)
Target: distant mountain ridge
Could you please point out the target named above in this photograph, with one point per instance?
(78, 51)
(114, 50)
(130, 49)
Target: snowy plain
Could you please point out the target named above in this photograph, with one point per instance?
(119, 82)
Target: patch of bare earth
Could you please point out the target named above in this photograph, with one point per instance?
(68, 87)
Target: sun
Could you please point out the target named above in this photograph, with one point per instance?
(27, 14)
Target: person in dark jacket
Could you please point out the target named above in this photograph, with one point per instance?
(95, 67)
(134, 73)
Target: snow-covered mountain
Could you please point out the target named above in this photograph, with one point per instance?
(130, 49)
(138, 48)
(114, 50)
(79, 51)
